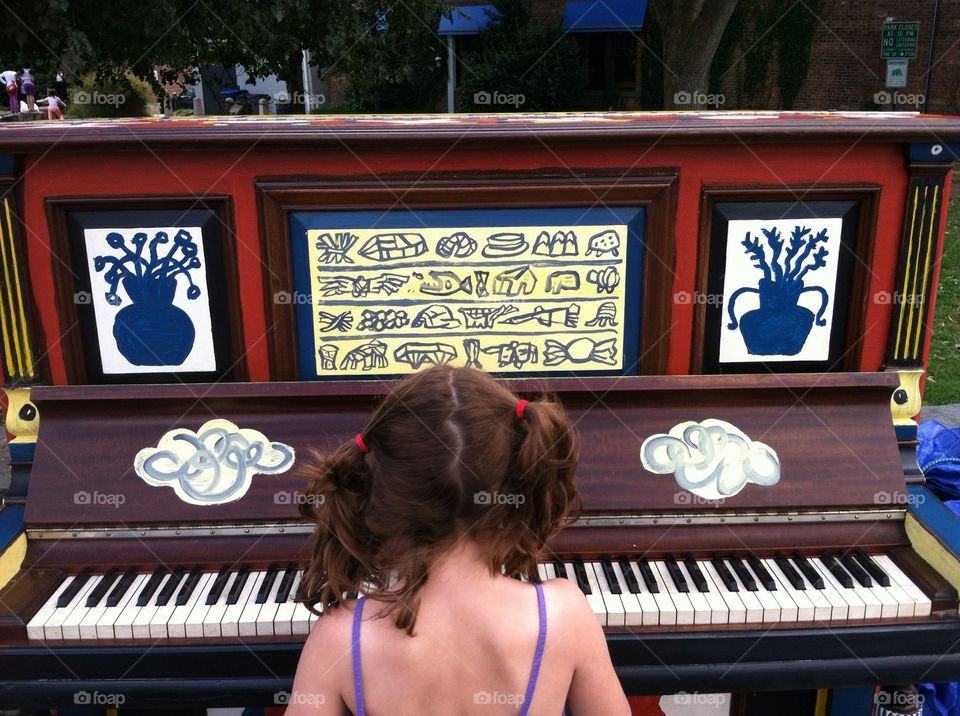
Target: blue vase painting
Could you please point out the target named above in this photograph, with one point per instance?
(154, 314)
(778, 290)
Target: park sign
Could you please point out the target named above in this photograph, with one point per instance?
(899, 40)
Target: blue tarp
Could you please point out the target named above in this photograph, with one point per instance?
(467, 19)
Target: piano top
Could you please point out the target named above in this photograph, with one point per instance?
(215, 132)
(832, 435)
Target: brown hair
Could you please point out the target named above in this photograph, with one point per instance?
(448, 457)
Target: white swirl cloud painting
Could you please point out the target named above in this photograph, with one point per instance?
(214, 465)
(712, 459)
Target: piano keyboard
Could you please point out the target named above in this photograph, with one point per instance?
(622, 593)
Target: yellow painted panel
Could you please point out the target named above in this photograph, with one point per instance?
(11, 559)
(516, 299)
(932, 551)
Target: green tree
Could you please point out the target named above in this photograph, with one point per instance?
(519, 58)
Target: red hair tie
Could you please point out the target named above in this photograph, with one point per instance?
(358, 439)
(521, 406)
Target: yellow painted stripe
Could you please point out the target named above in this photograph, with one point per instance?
(911, 312)
(27, 349)
(823, 697)
(12, 558)
(921, 308)
(9, 263)
(906, 272)
(7, 337)
(932, 551)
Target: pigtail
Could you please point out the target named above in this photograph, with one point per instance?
(342, 547)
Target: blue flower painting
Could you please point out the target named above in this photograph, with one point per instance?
(153, 291)
(778, 290)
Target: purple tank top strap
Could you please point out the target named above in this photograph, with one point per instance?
(357, 679)
(538, 656)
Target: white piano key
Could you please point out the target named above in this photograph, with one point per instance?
(681, 601)
(161, 617)
(230, 623)
(772, 611)
(905, 604)
(856, 607)
(649, 608)
(193, 625)
(282, 623)
(736, 611)
(141, 622)
(89, 626)
(822, 607)
(719, 611)
(268, 610)
(611, 602)
(71, 625)
(49, 608)
(247, 623)
(632, 609)
(791, 608)
(751, 600)
(839, 606)
(922, 603)
(177, 624)
(549, 571)
(666, 609)
(214, 615)
(594, 600)
(53, 627)
(541, 570)
(877, 602)
(702, 606)
(302, 618)
(105, 626)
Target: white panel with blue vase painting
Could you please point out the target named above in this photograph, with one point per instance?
(150, 299)
(778, 289)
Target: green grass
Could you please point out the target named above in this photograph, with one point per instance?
(943, 377)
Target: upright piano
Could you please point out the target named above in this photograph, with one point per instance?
(735, 310)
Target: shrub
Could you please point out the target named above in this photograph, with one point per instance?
(121, 95)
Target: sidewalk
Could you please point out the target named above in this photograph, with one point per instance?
(946, 414)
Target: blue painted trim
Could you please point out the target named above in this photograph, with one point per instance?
(22, 452)
(604, 15)
(935, 516)
(8, 164)
(303, 221)
(906, 432)
(934, 152)
(11, 525)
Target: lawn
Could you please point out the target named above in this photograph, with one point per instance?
(943, 378)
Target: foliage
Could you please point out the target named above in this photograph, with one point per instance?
(517, 56)
(943, 377)
(123, 96)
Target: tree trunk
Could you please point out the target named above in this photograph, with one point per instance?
(691, 31)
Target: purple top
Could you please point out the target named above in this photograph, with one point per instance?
(531, 685)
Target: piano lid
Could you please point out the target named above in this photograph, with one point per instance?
(150, 455)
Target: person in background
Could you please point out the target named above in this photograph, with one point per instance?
(9, 80)
(29, 89)
(53, 105)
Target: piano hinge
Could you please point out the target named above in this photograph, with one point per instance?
(591, 520)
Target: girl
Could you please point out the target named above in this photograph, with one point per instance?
(452, 481)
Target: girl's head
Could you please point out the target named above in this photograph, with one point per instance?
(448, 457)
(51, 93)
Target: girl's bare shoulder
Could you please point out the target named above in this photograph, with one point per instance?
(566, 604)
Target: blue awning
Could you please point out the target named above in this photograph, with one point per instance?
(604, 15)
(468, 19)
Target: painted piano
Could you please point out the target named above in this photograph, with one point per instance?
(736, 309)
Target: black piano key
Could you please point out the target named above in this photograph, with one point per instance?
(128, 578)
(647, 574)
(812, 575)
(695, 574)
(143, 599)
(284, 590)
(611, 576)
(679, 581)
(189, 584)
(630, 577)
(873, 569)
(856, 571)
(745, 575)
(837, 570)
(790, 572)
(724, 573)
(768, 582)
(267, 584)
(169, 587)
(233, 596)
(219, 584)
(560, 569)
(580, 570)
(75, 586)
(103, 586)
